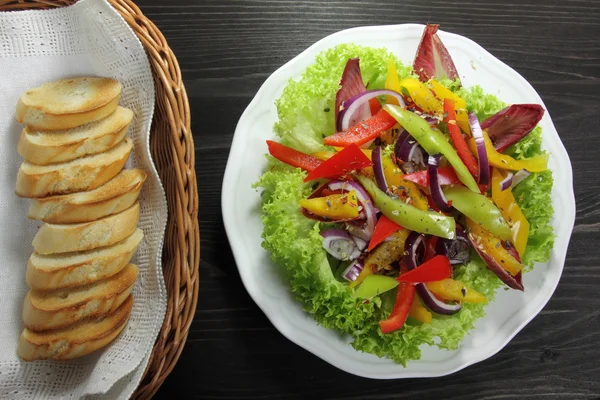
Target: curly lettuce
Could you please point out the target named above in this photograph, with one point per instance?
(305, 112)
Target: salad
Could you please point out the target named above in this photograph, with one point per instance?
(397, 201)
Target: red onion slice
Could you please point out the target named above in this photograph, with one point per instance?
(484, 165)
(378, 169)
(519, 177)
(366, 231)
(340, 244)
(353, 271)
(414, 252)
(410, 152)
(353, 112)
(361, 244)
(434, 184)
(506, 182)
(436, 305)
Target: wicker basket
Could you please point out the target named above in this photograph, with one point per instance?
(172, 148)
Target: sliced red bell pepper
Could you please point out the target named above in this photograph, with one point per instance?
(350, 159)
(364, 131)
(293, 157)
(457, 139)
(404, 298)
(374, 106)
(446, 176)
(436, 269)
(384, 228)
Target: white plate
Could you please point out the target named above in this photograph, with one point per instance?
(241, 213)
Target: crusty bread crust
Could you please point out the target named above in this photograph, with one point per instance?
(76, 340)
(114, 196)
(65, 238)
(78, 175)
(49, 272)
(68, 103)
(55, 309)
(48, 147)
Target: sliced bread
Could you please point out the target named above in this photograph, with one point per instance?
(114, 196)
(49, 147)
(67, 103)
(65, 238)
(76, 340)
(55, 309)
(78, 175)
(55, 271)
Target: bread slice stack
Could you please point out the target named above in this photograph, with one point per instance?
(80, 277)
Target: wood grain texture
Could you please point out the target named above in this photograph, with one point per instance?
(228, 48)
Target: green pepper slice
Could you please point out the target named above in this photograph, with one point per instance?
(407, 216)
(374, 285)
(432, 141)
(480, 209)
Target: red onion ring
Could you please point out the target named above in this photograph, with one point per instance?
(484, 165)
(377, 159)
(414, 252)
(352, 113)
(434, 184)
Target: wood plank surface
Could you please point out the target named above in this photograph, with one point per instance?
(227, 49)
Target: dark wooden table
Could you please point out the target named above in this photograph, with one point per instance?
(228, 48)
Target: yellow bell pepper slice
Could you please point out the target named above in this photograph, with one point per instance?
(323, 155)
(403, 188)
(450, 289)
(511, 212)
(392, 82)
(419, 312)
(492, 246)
(421, 95)
(460, 105)
(335, 206)
(503, 161)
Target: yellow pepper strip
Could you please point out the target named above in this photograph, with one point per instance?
(511, 212)
(421, 95)
(449, 289)
(392, 82)
(383, 255)
(419, 312)
(442, 92)
(493, 247)
(335, 206)
(403, 188)
(323, 155)
(503, 161)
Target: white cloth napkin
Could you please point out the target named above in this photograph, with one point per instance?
(88, 38)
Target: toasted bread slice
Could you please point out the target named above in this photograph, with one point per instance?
(76, 340)
(59, 238)
(68, 103)
(114, 196)
(78, 175)
(49, 272)
(55, 309)
(49, 147)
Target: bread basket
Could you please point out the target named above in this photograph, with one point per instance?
(172, 149)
